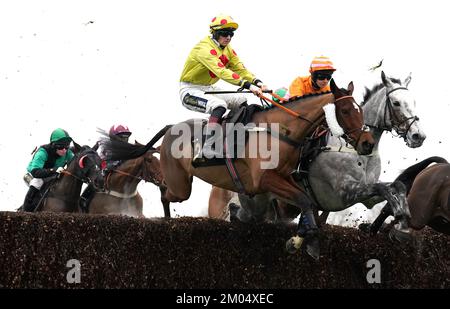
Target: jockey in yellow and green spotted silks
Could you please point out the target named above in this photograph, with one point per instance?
(209, 61)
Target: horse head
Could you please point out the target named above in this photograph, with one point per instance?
(89, 167)
(350, 120)
(152, 168)
(399, 113)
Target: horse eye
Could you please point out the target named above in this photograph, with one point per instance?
(396, 103)
(345, 112)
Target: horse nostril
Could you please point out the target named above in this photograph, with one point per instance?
(418, 137)
(367, 146)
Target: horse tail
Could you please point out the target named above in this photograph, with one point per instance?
(407, 176)
(124, 151)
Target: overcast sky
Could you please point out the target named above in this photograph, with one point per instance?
(80, 65)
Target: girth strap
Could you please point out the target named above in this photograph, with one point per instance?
(118, 194)
(233, 171)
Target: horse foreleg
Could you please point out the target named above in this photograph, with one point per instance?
(307, 226)
(164, 201)
(218, 201)
(323, 218)
(372, 194)
(373, 228)
(395, 194)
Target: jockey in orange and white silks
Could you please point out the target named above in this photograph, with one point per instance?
(321, 70)
(210, 60)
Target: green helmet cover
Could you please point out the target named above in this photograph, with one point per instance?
(60, 135)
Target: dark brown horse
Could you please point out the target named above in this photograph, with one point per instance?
(428, 195)
(63, 194)
(260, 173)
(120, 195)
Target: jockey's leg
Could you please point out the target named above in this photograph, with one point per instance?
(217, 107)
(213, 134)
(194, 98)
(29, 202)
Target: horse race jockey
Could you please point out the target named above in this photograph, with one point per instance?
(212, 59)
(48, 160)
(321, 69)
(116, 132)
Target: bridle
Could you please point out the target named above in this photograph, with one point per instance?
(399, 122)
(78, 175)
(83, 171)
(346, 135)
(363, 129)
(147, 178)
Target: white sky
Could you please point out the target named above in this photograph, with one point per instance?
(59, 70)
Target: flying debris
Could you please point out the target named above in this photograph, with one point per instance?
(89, 22)
(377, 66)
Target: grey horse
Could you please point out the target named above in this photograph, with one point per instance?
(338, 177)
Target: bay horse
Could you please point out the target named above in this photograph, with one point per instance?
(339, 177)
(428, 195)
(63, 194)
(258, 173)
(120, 195)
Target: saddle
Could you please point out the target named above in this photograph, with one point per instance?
(239, 116)
(234, 139)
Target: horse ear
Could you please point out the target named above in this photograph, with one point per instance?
(407, 80)
(80, 162)
(350, 88)
(76, 147)
(334, 88)
(386, 81)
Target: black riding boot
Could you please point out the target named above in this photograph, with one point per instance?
(28, 203)
(86, 197)
(307, 228)
(214, 121)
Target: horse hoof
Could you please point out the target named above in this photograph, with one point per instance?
(233, 210)
(400, 236)
(293, 244)
(364, 227)
(313, 248)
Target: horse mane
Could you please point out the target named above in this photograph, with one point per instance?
(309, 95)
(368, 93)
(81, 151)
(299, 98)
(118, 150)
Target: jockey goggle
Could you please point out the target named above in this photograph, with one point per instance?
(123, 136)
(61, 146)
(322, 76)
(225, 33)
